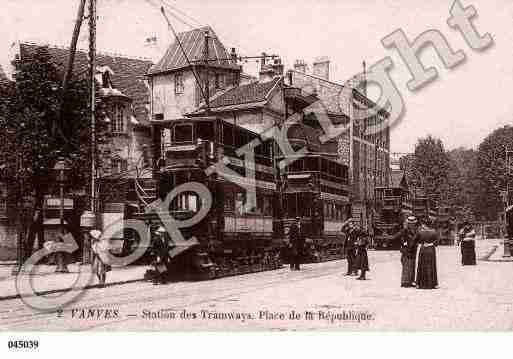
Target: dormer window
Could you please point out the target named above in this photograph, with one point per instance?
(179, 87)
(118, 118)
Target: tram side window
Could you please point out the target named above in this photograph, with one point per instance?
(229, 201)
(228, 135)
(291, 205)
(205, 131)
(183, 133)
(186, 202)
(268, 207)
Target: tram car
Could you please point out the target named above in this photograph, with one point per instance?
(392, 206)
(314, 187)
(235, 236)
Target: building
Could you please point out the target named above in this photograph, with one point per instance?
(366, 154)
(124, 99)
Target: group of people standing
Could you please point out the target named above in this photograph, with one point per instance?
(355, 245)
(418, 270)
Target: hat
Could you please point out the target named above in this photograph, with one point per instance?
(298, 218)
(160, 230)
(411, 220)
(96, 234)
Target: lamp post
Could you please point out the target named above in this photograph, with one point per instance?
(25, 203)
(61, 168)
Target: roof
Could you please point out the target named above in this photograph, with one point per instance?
(193, 44)
(128, 73)
(255, 94)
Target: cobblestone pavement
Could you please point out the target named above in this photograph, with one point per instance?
(469, 298)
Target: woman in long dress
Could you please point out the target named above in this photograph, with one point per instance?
(468, 245)
(408, 240)
(427, 277)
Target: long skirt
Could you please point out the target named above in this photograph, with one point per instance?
(427, 277)
(351, 260)
(408, 272)
(468, 252)
(362, 260)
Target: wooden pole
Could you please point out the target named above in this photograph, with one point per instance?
(92, 71)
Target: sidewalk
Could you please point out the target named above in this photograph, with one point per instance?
(46, 281)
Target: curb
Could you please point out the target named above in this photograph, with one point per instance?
(60, 290)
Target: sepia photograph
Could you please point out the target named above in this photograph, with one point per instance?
(260, 165)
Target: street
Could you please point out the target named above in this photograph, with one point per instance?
(468, 298)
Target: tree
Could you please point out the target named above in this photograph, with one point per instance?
(31, 111)
(463, 182)
(430, 168)
(492, 173)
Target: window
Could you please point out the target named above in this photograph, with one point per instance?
(118, 120)
(186, 202)
(119, 165)
(218, 81)
(179, 87)
(183, 133)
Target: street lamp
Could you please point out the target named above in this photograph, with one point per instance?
(61, 168)
(25, 204)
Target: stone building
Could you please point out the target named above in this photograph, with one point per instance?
(366, 154)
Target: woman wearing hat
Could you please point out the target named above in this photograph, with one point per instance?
(100, 246)
(468, 245)
(408, 238)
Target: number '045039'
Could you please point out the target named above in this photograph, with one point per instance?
(23, 344)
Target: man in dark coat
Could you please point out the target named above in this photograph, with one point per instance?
(351, 234)
(297, 241)
(362, 259)
(408, 238)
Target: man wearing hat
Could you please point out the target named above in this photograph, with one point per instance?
(408, 238)
(297, 241)
(351, 235)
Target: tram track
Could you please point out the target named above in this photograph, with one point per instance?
(181, 292)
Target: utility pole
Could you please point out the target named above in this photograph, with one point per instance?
(92, 70)
(207, 73)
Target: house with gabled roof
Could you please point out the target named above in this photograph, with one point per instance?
(125, 96)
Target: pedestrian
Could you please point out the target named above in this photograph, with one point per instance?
(160, 249)
(297, 241)
(468, 245)
(408, 238)
(350, 246)
(362, 259)
(100, 247)
(427, 277)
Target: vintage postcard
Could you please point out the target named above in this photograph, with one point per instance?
(255, 166)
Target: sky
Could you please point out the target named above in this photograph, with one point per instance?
(462, 106)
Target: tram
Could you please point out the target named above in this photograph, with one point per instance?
(315, 188)
(235, 236)
(392, 206)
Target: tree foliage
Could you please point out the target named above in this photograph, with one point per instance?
(492, 173)
(31, 110)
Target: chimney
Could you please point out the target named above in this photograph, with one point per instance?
(321, 67)
(153, 48)
(300, 66)
(277, 66)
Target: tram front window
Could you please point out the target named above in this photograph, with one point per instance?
(296, 205)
